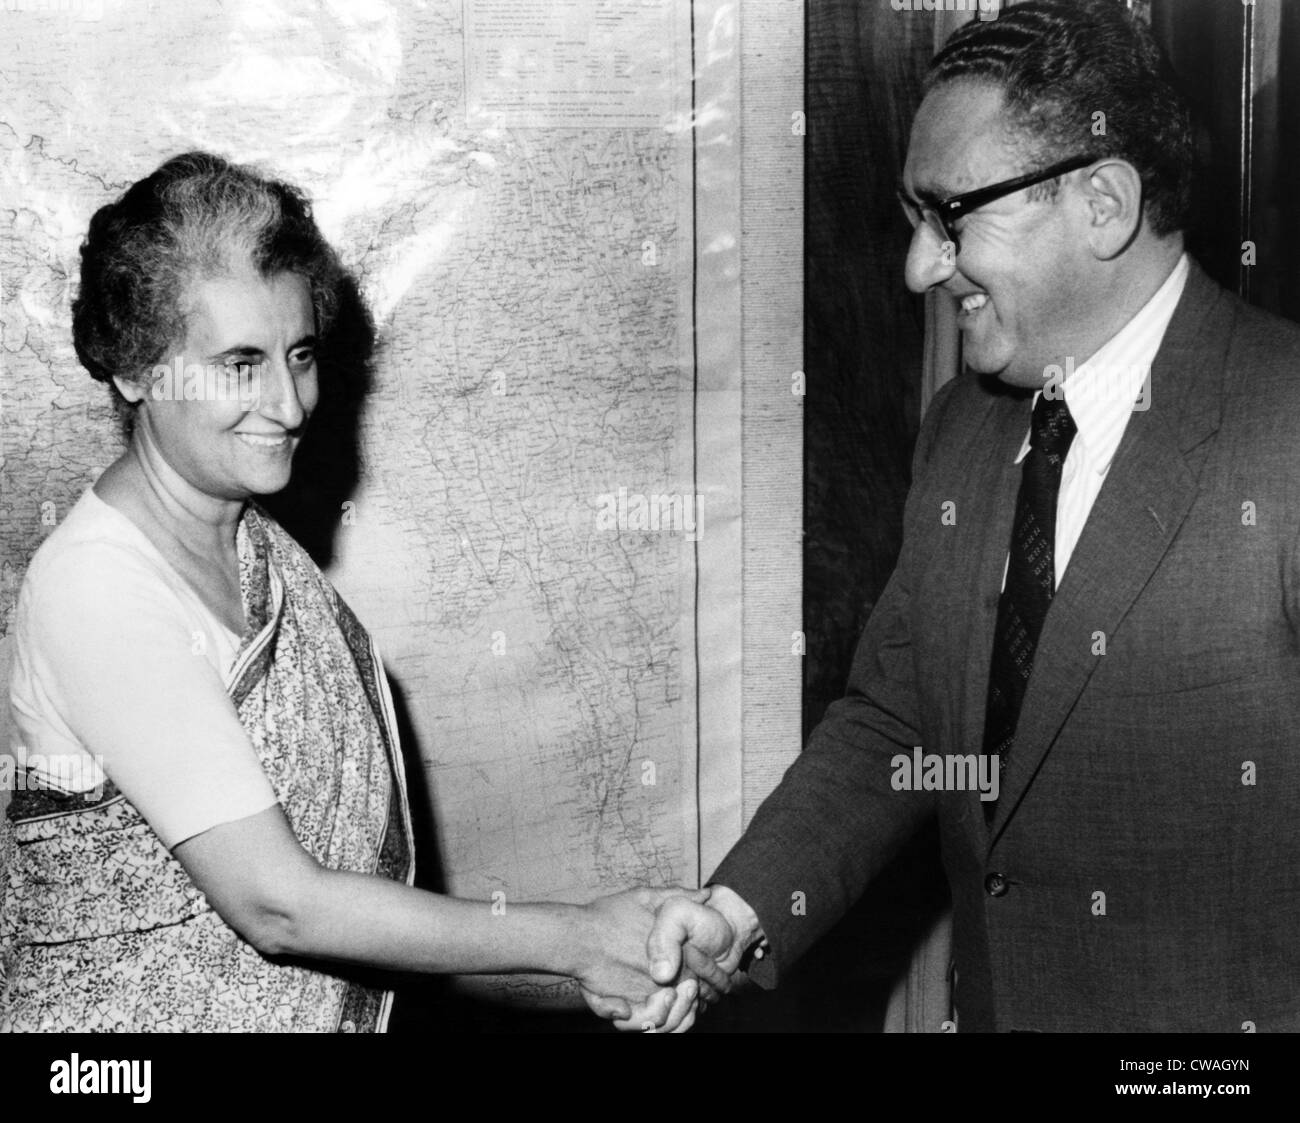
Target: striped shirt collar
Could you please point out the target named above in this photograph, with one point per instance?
(1105, 390)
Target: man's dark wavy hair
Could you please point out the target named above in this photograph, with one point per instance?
(197, 216)
(1058, 62)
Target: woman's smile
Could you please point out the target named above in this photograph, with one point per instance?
(269, 442)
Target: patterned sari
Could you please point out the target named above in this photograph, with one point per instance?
(100, 926)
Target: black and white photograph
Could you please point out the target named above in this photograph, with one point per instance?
(582, 518)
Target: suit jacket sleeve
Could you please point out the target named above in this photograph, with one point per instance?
(834, 821)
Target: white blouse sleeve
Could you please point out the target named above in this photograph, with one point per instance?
(117, 657)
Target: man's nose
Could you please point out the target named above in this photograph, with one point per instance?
(930, 261)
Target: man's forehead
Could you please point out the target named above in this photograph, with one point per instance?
(958, 141)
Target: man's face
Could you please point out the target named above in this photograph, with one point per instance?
(1018, 278)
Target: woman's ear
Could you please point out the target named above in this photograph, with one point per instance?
(131, 390)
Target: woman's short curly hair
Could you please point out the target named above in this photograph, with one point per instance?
(197, 216)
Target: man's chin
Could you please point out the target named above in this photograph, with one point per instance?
(1009, 373)
(989, 367)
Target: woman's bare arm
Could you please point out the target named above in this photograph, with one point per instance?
(276, 896)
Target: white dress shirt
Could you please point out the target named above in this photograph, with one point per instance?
(1101, 394)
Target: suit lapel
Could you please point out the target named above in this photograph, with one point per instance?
(993, 501)
(1148, 492)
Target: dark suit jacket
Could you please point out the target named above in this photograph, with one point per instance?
(1164, 774)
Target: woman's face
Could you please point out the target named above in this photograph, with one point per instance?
(230, 410)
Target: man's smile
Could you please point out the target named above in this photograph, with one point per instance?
(970, 306)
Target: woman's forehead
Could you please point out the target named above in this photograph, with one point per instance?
(224, 306)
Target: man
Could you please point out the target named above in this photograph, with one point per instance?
(1099, 585)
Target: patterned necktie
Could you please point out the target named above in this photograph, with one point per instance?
(1031, 575)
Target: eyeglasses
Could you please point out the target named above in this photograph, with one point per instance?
(942, 215)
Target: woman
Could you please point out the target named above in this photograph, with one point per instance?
(214, 834)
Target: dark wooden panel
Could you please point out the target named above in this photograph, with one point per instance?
(863, 330)
(862, 347)
(1238, 66)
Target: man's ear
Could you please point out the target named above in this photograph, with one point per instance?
(1113, 196)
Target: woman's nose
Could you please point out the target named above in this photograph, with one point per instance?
(279, 398)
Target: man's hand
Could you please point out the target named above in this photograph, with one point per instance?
(691, 940)
(707, 942)
(614, 970)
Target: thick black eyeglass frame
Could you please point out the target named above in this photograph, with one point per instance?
(949, 210)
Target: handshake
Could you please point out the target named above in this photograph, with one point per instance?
(656, 957)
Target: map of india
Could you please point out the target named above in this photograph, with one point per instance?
(529, 276)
